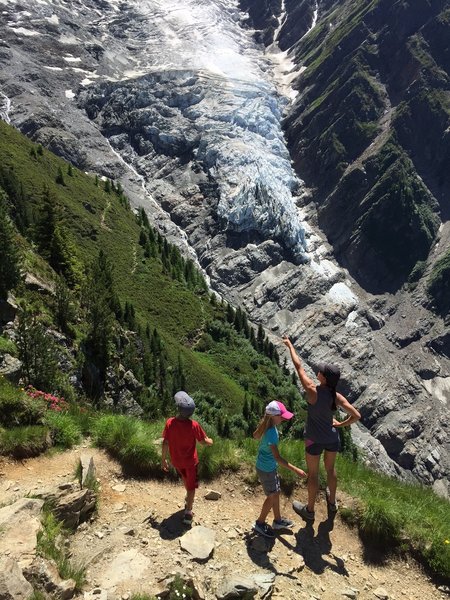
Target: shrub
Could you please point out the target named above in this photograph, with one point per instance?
(217, 459)
(24, 442)
(131, 441)
(16, 408)
(53, 402)
(112, 432)
(64, 429)
(37, 595)
(379, 524)
(139, 455)
(83, 416)
(7, 346)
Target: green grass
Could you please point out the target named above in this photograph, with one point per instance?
(391, 509)
(7, 346)
(16, 408)
(131, 442)
(24, 442)
(64, 429)
(217, 459)
(50, 545)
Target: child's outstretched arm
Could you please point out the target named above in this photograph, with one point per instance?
(207, 441)
(284, 463)
(165, 449)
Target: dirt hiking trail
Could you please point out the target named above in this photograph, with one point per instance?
(134, 540)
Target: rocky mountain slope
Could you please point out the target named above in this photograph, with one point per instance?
(180, 104)
(136, 541)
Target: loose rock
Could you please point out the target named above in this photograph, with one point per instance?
(199, 542)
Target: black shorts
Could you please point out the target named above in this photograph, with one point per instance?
(316, 449)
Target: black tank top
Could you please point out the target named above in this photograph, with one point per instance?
(319, 421)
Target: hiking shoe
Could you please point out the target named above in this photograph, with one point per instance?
(302, 510)
(264, 529)
(282, 523)
(332, 506)
(187, 518)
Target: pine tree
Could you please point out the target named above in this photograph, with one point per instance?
(45, 223)
(230, 313)
(226, 428)
(64, 310)
(260, 338)
(60, 177)
(16, 198)
(9, 256)
(69, 170)
(252, 338)
(101, 302)
(37, 351)
(238, 320)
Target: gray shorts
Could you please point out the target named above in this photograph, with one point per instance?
(270, 481)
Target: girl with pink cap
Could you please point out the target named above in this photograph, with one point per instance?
(266, 467)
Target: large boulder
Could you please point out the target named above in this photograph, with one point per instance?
(36, 284)
(71, 505)
(44, 575)
(19, 523)
(13, 585)
(11, 368)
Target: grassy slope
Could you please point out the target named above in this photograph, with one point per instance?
(176, 312)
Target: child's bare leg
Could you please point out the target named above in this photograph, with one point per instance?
(276, 506)
(266, 508)
(190, 495)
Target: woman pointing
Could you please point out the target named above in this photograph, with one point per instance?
(321, 434)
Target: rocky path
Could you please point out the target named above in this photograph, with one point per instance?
(135, 540)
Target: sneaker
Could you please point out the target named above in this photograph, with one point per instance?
(282, 523)
(332, 506)
(187, 518)
(264, 529)
(302, 510)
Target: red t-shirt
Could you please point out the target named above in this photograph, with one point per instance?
(182, 435)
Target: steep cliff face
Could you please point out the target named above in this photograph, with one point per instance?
(369, 132)
(369, 129)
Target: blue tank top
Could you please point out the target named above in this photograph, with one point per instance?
(319, 421)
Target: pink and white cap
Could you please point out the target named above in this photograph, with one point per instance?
(276, 408)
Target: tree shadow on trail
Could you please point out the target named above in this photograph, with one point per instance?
(171, 527)
(316, 548)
